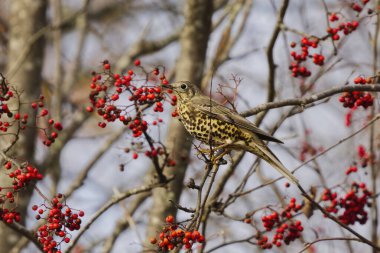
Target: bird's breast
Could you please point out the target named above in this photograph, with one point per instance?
(207, 128)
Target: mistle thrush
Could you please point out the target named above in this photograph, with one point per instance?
(215, 124)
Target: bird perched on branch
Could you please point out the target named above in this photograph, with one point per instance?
(215, 124)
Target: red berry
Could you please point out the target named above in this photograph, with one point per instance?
(58, 126)
(44, 112)
(170, 219)
(54, 135)
(8, 165)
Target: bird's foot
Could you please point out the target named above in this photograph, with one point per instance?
(204, 151)
(219, 160)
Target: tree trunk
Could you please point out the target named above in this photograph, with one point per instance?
(194, 39)
(27, 17)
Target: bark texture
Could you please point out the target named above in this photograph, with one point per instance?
(27, 17)
(190, 65)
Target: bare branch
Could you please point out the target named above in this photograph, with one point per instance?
(317, 155)
(271, 65)
(114, 200)
(35, 37)
(310, 99)
(123, 223)
(336, 220)
(246, 240)
(106, 145)
(25, 232)
(309, 244)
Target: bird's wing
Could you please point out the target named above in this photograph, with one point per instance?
(218, 111)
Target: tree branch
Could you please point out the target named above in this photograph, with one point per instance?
(114, 200)
(309, 244)
(310, 99)
(271, 65)
(25, 232)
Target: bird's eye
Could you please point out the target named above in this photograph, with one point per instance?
(184, 86)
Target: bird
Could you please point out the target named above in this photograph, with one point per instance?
(215, 124)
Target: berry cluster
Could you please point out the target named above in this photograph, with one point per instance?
(286, 229)
(345, 28)
(350, 207)
(298, 67)
(363, 157)
(359, 7)
(60, 219)
(20, 178)
(50, 125)
(328, 195)
(106, 98)
(14, 117)
(172, 236)
(9, 216)
(355, 99)
(299, 70)
(5, 95)
(107, 88)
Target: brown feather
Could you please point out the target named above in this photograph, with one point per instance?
(218, 111)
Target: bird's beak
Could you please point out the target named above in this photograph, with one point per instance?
(167, 87)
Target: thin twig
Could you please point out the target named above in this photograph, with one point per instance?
(114, 200)
(35, 37)
(123, 223)
(84, 172)
(246, 240)
(314, 157)
(309, 244)
(336, 220)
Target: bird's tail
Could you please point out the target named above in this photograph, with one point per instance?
(265, 153)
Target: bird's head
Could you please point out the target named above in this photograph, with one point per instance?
(184, 90)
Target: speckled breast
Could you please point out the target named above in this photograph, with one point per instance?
(198, 124)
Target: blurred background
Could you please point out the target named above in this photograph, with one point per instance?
(51, 48)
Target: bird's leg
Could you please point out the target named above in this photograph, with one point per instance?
(219, 158)
(221, 151)
(224, 150)
(204, 151)
(209, 151)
